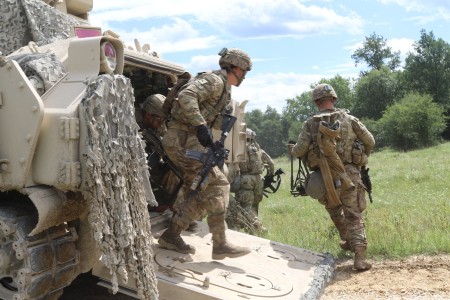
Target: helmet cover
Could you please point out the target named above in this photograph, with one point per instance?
(235, 57)
(323, 90)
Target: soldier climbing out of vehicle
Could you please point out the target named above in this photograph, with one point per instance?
(335, 146)
(198, 108)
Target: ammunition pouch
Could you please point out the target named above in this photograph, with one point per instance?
(359, 157)
(313, 156)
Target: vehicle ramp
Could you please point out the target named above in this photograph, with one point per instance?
(271, 271)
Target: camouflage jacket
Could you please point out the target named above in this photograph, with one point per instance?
(202, 99)
(352, 134)
(256, 161)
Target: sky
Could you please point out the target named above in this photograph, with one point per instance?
(293, 43)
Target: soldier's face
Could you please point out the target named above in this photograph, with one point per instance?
(152, 121)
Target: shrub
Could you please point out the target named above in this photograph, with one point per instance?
(413, 122)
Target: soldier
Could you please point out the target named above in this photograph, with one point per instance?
(250, 192)
(153, 121)
(150, 118)
(195, 111)
(151, 115)
(336, 129)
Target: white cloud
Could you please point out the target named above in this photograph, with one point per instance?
(432, 10)
(272, 89)
(403, 45)
(202, 63)
(234, 18)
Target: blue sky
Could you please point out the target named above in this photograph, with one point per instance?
(293, 44)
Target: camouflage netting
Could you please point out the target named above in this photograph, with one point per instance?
(42, 69)
(115, 172)
(22, 21)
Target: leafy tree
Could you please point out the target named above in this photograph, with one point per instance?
(270, 129)
(375, 52)
(296, 111)
(413, 122)
(254, 119)
(427, 70)
(375, 91)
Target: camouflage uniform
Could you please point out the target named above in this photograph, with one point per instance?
(197, 109)
(348, 217)
(196, 105)
(151, 117)
(250, 193)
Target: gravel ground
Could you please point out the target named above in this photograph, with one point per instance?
(416, 277)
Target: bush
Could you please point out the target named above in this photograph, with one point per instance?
(413, 122)
(377, 131)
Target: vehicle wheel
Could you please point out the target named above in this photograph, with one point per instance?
(34, 267)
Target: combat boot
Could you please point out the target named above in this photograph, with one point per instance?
(360, 261)
(222, 248)
(171, 239)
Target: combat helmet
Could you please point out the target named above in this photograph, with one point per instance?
(235, 57)
(323, 90)
(315, 186)
(154, 104)
(250, 134)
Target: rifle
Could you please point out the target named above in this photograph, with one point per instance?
(365, 177)
(269, 180)
(214, 155)
(156, 145)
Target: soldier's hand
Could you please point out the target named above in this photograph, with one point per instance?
(204, 135)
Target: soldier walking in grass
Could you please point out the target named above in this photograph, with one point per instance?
(336, 179)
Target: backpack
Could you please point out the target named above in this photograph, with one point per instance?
(173, 93)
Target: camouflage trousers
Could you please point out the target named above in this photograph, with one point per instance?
(247, 200)
(348, 217)
(213, 197)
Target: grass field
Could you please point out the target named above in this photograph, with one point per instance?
(410, 213)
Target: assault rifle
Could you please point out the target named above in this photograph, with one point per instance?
(214, 155)
(156, 146)
(366, 181)
(270, 180)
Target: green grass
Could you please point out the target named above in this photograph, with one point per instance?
(410, 213)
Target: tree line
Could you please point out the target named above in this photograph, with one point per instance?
(405, 108)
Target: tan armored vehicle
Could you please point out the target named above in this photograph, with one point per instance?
(74, 186)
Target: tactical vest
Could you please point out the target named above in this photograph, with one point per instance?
(253, 164)
(345, 141)
(211, 107)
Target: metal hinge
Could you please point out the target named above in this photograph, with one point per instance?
(70, 128)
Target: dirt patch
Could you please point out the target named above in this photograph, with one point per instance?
(416, 277)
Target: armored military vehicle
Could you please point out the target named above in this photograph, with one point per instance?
(74, 187)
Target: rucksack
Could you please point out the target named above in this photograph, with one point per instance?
(173, 93)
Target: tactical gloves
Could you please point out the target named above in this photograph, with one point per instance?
(204, 135)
